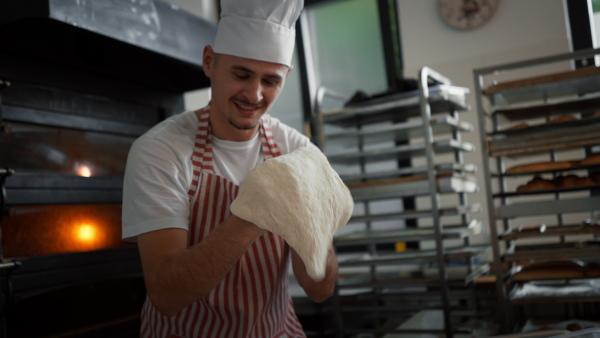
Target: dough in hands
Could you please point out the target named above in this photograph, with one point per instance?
(299, 197)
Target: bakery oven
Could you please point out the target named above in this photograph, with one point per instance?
(79, 82)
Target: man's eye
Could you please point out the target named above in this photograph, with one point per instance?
(240, 76)
(270, 83)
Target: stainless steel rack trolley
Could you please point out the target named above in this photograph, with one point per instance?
(540, 131)
(390, 150)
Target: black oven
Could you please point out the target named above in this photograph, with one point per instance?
(79, 81)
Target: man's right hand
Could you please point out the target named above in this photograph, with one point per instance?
(176, 275)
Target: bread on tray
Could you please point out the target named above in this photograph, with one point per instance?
(540, 166)
(537, 183)
(554, 269)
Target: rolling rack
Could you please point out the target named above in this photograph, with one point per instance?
(381, 281)
(543, 219)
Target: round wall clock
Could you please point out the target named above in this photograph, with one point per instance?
(467, 14)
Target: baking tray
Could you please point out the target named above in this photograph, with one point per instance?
(576, 82)
(565, 106)
(533, 172)
(442, 98)
(552, 251)
(442, 124)
(537, 325)
(412, 214)
(578, 229)
(415, 185)
(593, 332)
(456, 275)
(467, 168)
(549, 207)
(450, 231)
(546, 138)
(555, 127)
(539, 334)
(584, 291)
(406, 152)
(414, 257)
(546, 191)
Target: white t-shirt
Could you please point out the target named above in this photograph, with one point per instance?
(159, 170)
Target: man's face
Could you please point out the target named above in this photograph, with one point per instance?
(242, 91)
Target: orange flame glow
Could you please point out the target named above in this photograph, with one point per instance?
(86, 233)
(84, 171)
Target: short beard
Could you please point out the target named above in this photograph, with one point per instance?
(243, 126)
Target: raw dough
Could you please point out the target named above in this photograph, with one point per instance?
(300, 197)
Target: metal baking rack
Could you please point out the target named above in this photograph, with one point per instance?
(536, 100)
(374, 263)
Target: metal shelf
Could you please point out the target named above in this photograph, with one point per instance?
(548, 207)
(529, 111)
(549, 252)
(554, 137)
(547, 191)
(442, 98)
(415, 185)
(529, 173)
(407, 235)
(577, 82)
(411, 214)
(443, 124)
(576, 292)
(467, 168)
(400, 152)
(534, 98)
(372, 128)
(412, 257)
(553, 231)
(415, 277)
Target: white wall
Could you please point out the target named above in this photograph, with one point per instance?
(519, 30)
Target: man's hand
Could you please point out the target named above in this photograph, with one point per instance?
(176, 275)
(317, 291)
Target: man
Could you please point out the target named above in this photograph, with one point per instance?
(207, 272)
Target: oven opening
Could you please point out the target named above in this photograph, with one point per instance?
(33, 230)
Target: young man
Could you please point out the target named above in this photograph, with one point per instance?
(207, 272)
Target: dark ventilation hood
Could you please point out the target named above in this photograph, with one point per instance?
(138, 41)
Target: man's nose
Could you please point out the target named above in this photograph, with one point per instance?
(253, 92)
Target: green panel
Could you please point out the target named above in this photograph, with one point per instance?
(348, 46)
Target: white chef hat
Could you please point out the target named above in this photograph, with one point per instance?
(258, 29)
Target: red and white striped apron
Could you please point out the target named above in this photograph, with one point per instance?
(252, 300)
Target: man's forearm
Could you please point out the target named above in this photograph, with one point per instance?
(182, 276)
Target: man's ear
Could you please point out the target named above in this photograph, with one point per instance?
(208, 61)
(290, 70)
